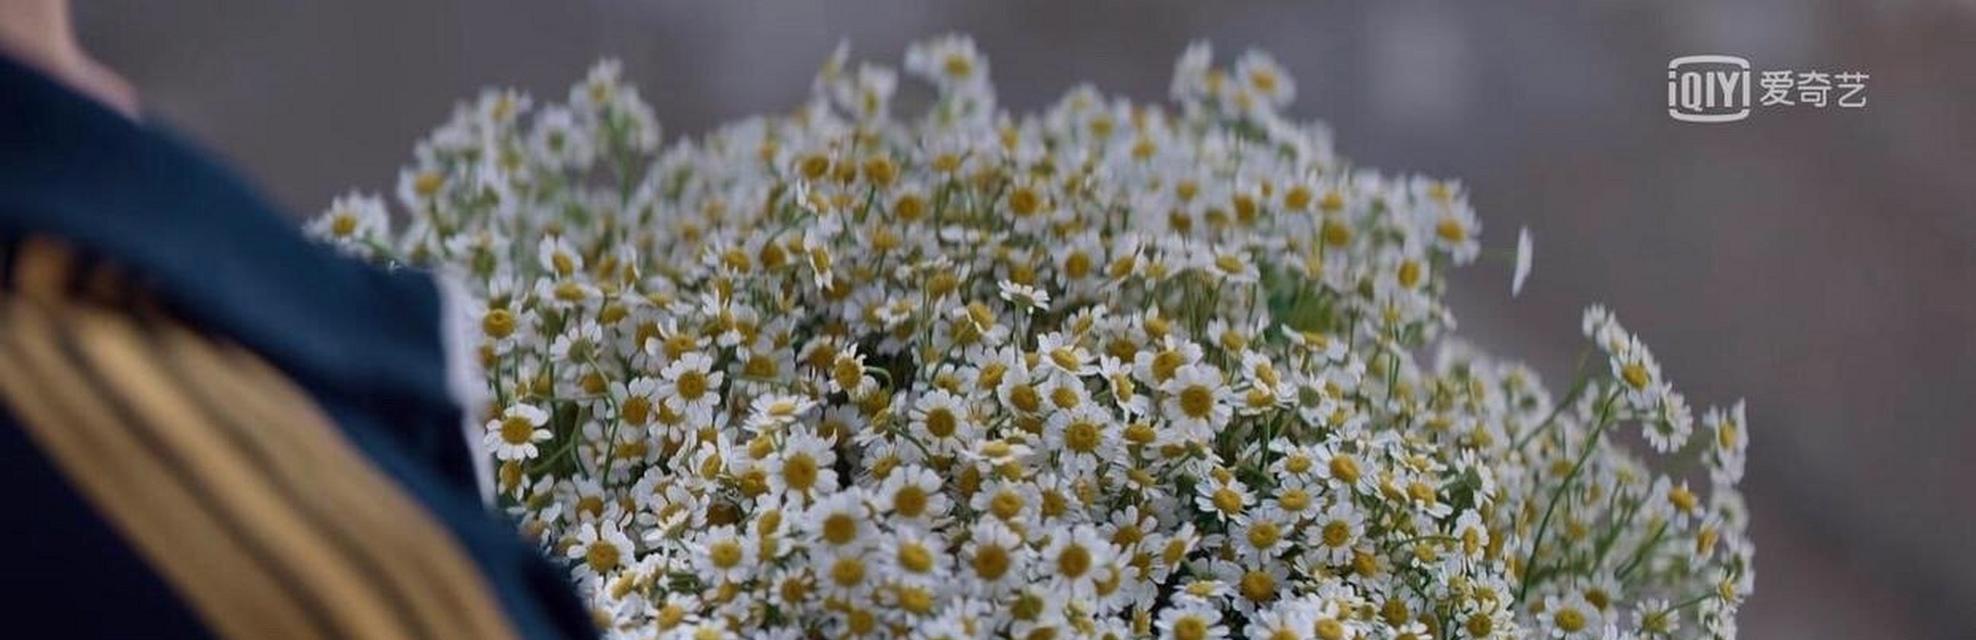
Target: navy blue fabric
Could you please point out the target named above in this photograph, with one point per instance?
(66, 573)
(363, 341)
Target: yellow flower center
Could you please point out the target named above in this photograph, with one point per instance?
(909, 501)
(498, 323)
(1227, 500)
(1026, 398)
(1635, 374)
(840, 529)
(601, 556)
(1197, 401)
(1077, 265)
(428, 183)
(1025, 201)
(941, 422)
(692, 385)
(915, 558)
(1569, 620)
(1337, 533)
(1410, 273)
(1074, 560)
(1335, 233)
(1450, 229)
(1682, 499)
(1166, 363)
(636, 410)
(517, 430)
(1345, 468)
(916, 600)
(725, 554)
(1065, 357)
(813, 166)
(1258, 586)
(1263, 81)
(880, 170)
(1293, 498)
(1228, 263)
(958, 66)
(1081, 437)
(847, 373)
(1420, 491)
(847, 571)
(1264, 534)
(1329, 629)
(1190, 628)
(800, 472)
(1005, 505)
(909, 208)
(991, 562)
(1064, 397)
(1297, 197)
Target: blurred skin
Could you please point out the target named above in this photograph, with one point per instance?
(39, 34)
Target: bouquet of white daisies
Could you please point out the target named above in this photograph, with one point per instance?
(1110, 369)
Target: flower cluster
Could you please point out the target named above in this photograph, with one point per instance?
(1111, 369)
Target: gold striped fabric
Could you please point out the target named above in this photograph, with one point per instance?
(224, 476)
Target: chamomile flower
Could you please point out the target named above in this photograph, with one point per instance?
(848, 573)
(1224, 497)
(690, 386)
(559, 139)
(1193, 621)
(1072, 564)
(1728, 442)
(942, 422)
(1025, 297)
(514, 435)
(995, 558)
(1261, 76)
(951, 62)
(601, 547)
(723, 554)
(1262, 535)
(913, 493)
(1196, 400)
(1570, 617)
(803, 468)
(1668, 431)
(773, 411)
(1335, 534)
(1656, 618)
(1084, 438)
(352, 220)
(558, 256)
(840, 520)
(915, 557)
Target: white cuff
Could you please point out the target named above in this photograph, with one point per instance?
(464, 378)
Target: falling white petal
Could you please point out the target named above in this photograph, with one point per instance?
(1522, 262)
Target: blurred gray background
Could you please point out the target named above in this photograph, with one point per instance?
(1820, 262)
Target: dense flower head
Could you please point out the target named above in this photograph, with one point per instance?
(1112, 369)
